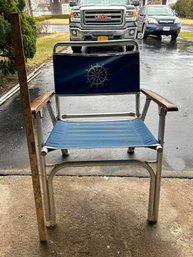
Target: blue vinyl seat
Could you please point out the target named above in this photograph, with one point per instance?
(100, 134)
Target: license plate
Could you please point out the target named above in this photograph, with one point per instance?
(166, 28)
(101, 38)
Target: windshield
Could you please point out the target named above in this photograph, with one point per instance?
(95, 2)
(159, 11)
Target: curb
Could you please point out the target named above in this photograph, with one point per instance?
(184, 40)
(16, 88)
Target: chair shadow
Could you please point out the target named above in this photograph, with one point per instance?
(95, 220)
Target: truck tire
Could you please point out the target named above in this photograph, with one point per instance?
(76, 49)
(144, 33)
(174, 36)
(130, 48)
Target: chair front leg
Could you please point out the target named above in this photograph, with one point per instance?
(42, 167)
(157, 182)
(161, 131)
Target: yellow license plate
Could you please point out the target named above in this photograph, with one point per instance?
(101, 38)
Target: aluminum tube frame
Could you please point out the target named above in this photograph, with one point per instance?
(58, 111)
(95, 115)
(51, 112)
(137, 103)
(162, 119)
(161, 129)
(42, 167)
(158, 182)
(120, 42)
(47, 180)
(154, 187)
(145, 108)
(131, 150)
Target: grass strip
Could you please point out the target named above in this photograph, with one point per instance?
(55, 21)
(185, 21)
(44, 48)
(186, 35)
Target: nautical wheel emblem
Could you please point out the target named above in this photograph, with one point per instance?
(97, 75)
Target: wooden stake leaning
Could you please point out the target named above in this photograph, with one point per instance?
(26, 103)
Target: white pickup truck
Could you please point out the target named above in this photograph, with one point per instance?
(92, 20)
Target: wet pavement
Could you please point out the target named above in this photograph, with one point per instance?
(166, 67)
(187, 28)
(65, 28)
(56, 28)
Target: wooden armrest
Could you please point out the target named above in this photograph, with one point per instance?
(161, 101)
(40, 101)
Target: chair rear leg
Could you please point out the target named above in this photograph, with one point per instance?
(45, 192)
(131, 150)
(46, 200)
(151, 198)
(52, 214)
(65, 152)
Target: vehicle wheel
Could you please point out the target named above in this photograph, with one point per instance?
(174, 36)
(120, 49)
(139, 35)
(144, 33)
(76, 49)
(130, 48)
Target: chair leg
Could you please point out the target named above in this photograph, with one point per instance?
(151, 198)
(51, 201)
(157, 184)
(151, 191)
(65, 152)
(131, 150)
(45, 192)
(155, 181)
(42, 167)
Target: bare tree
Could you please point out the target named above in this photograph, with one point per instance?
(29, 7)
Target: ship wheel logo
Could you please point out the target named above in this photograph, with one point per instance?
(97, 75)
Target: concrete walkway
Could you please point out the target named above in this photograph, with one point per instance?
(98, 217)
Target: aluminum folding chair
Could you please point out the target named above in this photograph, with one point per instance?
(91, 74)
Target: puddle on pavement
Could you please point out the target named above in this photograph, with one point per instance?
(166, 44)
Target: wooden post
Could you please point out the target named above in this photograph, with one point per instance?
(26, 103)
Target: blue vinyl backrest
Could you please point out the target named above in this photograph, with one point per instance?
(96, 74)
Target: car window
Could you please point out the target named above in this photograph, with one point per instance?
(159, 11)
